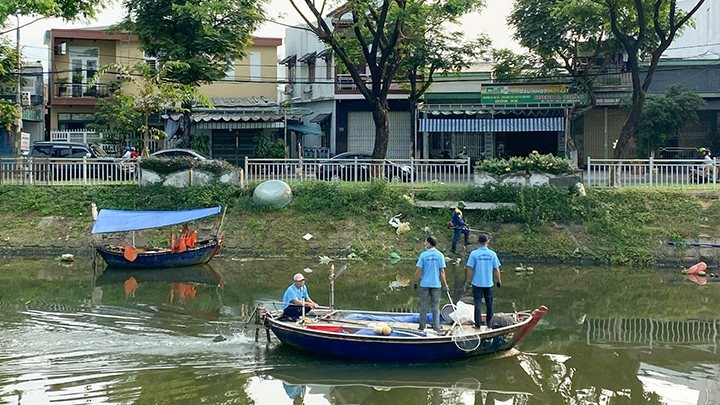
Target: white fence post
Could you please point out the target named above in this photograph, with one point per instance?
(650, 171)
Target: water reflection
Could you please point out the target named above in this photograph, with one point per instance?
(611, 336)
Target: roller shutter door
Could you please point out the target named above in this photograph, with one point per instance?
(361, 133)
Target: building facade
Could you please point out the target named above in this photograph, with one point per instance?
(32, 98)
(336, 117)
(246, 98)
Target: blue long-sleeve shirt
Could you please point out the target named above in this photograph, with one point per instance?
(457, 220)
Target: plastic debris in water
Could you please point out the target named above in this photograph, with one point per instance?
(307, 236)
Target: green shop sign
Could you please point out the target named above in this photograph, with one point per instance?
(531, 94)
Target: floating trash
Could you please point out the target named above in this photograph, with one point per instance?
(307, 236)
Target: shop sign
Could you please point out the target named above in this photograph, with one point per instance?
(32, 114)
(531, 94)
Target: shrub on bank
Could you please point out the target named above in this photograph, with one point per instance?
(533, 163)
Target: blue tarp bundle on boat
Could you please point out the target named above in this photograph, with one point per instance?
(409, 318)
(123, 220)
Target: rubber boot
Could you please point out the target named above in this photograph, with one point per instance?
(453, 248)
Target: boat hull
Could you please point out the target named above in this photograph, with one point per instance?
(410, 346)
(201, 254)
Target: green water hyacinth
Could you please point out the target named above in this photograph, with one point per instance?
(535, 163)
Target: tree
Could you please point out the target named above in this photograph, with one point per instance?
(117, 118)
(206, 35)
(65, 9)
(437, 52)
(562, 41)
(378, 34)
(644, 29)
(8, 62)
(665, 115)
(155, 93)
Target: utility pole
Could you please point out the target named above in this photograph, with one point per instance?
(18, 88)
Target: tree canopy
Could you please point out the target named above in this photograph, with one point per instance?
(380, 36)
(206, 35)
(65, 9)
(664, 116)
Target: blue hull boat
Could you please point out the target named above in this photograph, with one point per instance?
(160, 259)
(344, 334)
(121, 221)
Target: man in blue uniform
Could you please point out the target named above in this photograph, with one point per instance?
(296, 298)
(482, 263)
(430, 272)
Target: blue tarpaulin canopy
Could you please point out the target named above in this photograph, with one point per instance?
(123, 221)
(305, 129)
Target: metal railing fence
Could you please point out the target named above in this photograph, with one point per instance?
(651, 173)
(400, 170)
(67, 172)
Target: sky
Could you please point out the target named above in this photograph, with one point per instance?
(491, 22)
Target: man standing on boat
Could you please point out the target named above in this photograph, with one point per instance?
(430, 272)
(482, 263)
(296, 300)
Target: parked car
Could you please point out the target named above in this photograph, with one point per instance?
(58, 161)
(180, 153)
(343, 167)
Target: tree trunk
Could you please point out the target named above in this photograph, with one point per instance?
(626, 144)
(413, 125)
(382, 128)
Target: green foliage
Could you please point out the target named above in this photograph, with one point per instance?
(169, 166)
(208, 36)
(65, 9)
(8, 61)
(664, 116)
(534, 162)
(265, 147)
(117, 118)
(155, 93)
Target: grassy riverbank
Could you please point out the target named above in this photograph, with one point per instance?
(610, 226)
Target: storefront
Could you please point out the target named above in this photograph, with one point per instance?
(499, 121)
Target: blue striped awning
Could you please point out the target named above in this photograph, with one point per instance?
(541, 124)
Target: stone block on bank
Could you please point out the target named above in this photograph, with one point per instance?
(148, 177)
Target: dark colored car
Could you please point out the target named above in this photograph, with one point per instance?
(350, 166)
(57, 161)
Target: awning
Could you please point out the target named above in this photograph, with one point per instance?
(321, 118)
(544, 124)
(123, 221)
(308, 57)
(325, 53)
(305, 129)
(236, 117)
(290, 60)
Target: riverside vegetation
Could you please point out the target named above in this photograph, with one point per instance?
(612, 226)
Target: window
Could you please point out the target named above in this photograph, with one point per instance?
(150, 60)
(84, 64)
(311, 71)
(255, 66)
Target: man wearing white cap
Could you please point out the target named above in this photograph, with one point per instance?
(296, 298)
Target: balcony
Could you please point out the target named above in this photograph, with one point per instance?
(79, 93)
(344, 84)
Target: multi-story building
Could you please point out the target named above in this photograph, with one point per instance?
(245, 101)
(339, 118)
(32, 91)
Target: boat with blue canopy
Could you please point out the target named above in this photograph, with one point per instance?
(186, 250)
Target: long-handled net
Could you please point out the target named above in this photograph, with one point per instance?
(465, 340)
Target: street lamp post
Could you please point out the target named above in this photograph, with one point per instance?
(18, 88)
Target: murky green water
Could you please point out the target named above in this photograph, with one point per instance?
(612, 336)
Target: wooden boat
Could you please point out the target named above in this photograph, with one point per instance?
(358, 335)
(110, 221)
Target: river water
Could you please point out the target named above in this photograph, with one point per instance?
(612, 336)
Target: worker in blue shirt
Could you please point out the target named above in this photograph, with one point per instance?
(430, 272)
(296, 299)
(482, 264)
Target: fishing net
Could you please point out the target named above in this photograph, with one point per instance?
(465, 341)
